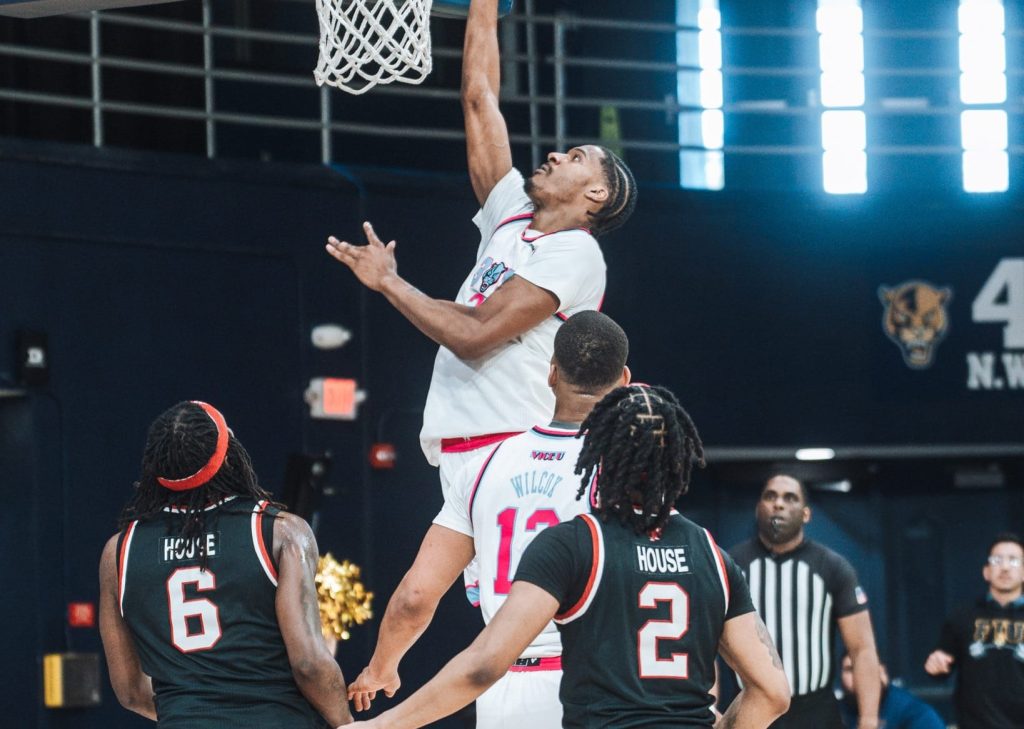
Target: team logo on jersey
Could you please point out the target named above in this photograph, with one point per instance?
(547, 455)
(915, 319)
(489, 273)
(862, 597)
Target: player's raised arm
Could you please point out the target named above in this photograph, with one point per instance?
(748, 649)
(133, 688)
(487, 143)
(298, 615)
(469, 331)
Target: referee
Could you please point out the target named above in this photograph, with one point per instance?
(803, 590)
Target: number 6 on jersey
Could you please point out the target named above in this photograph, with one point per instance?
(181, 610)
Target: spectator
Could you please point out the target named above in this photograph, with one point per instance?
(984, 644)
(898, 709)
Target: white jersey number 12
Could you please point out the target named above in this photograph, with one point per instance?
(507, 521)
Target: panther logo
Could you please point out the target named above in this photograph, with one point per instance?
(492, 275)
(915, 319)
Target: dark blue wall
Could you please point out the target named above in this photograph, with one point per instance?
(155, 282)
(159, 279)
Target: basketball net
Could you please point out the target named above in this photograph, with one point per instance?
(368, 42)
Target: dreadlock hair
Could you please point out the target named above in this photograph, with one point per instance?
(591, 350)
(642, 444)
(622, 194)
(180, 441)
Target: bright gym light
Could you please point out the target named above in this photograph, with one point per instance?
(983, 132)
(702, 168)
(986, 171)
(815, 454)
(840, 26)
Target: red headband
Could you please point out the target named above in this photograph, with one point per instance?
(213, 465)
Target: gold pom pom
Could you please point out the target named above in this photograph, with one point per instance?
(343, 599)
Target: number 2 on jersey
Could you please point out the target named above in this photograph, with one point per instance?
(507, 522)
(181, 610)
(674, 628)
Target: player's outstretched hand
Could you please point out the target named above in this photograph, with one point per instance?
(939, 663)
(363, 690)
(373, 264)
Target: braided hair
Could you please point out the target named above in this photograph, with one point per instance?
(642, 444)
(179, 443)
(622, 194)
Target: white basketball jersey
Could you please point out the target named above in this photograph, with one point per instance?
(525, 484)
(506, 390)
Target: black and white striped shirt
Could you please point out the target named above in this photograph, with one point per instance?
(800, 595)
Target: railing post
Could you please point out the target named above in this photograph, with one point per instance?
(532, 62)
(559, 33)
(510, 83)
(211, 128)
(326, 151)
(97, 79)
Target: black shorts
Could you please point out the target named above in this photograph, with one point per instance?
(818, 710)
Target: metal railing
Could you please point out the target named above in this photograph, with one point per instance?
(548, 115)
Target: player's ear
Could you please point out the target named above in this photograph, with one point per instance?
(553, 374)
(807, 514)
(627, 376)
(597, 193)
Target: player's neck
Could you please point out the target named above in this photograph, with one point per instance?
(552, 220)
(574, 409)
(565, 424)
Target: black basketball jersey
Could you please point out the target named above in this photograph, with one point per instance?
(209, 638)
(640, 619)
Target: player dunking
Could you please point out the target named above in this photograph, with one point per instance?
(524, 485)
(643, 597)
(208, 609)
(537, 264)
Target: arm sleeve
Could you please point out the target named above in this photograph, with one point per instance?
(505, 200)
(739, 593)
(455, 513)
(847, 595)
(569, 265)
(553, 562)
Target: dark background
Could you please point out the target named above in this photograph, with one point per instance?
(159, 277)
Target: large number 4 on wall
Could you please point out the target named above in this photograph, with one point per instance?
(1001, 299)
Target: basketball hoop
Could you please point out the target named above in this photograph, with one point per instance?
(368, 42)
(364, 43)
